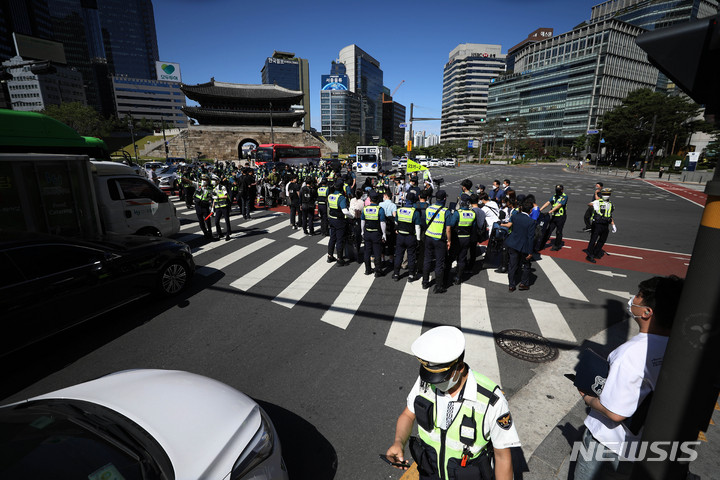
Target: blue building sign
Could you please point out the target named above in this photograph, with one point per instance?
(334, 82)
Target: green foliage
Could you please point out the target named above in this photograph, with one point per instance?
(347, 142)
(398, 150)
(383, 143)
(82, 118)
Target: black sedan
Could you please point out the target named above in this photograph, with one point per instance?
(52, 283)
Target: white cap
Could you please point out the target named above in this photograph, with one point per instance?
(439, 345)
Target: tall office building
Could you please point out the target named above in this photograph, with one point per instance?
(29, 17)
(339, 107)
(284, 69)
(366, 79)
(653, 14)
(470, 69)
(32, 93)
(393, 116)
(154, 100)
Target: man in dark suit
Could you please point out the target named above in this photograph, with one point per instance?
(520, 246)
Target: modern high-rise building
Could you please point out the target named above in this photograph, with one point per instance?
(536, 36)
(284, 69)
(154, 100)
(466, 77)
(393, 116)
(339, 107)
(28, 17)
(563, 85)
(32, 93)
(365, 78)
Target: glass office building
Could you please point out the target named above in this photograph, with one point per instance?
(564, 84)
(365, 78)
(339, 107)
(284, 69)
(393, 116)
(653, 14)
(466, 77)
(151, 99)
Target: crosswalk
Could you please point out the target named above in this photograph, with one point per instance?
(266, 252)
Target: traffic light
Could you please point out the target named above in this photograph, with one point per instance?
(482, 120)
(507, 119)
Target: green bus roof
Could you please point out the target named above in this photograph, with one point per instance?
(30, 132)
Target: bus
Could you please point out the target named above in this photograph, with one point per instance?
(289, 154)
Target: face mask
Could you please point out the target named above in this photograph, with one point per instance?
(606, 197)
(630, 304)
(448, 384)
(558, 191)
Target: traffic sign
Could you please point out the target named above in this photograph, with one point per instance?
(403, 125)
(593, 132)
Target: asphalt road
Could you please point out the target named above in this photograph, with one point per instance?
(325, 350)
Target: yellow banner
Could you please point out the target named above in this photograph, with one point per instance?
(413, 166)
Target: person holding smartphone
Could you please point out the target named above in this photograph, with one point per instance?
(463, 417)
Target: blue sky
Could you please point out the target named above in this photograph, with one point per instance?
(230, 39)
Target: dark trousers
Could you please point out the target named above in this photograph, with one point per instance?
(597, 239)
(308, 214)
(389, 246)
(294, 211)
(556, 222)
(518, 258)
(245, 206)
(337, 237)
(220, 213)
(322, 211)
(202, 211)
(189, 193)
(435, 250)
(588, 217)
(373, 246)
(405, 243)
(465, 245)
(472, 254)
(356, 238)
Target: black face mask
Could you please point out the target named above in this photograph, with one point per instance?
(558, 191)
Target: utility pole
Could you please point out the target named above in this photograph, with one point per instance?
(272, 132)
(647, 152)
(162, 119)
(132, 134)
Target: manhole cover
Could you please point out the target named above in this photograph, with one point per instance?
(527, 346)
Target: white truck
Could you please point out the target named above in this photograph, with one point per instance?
(371, 159)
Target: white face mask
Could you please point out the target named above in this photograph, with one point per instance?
(630, 304)
(606, 197)
(449, 383)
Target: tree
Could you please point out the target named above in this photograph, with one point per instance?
(347, 142)
(383, 143)
(628, 127)
(82, 118)
(398, 150)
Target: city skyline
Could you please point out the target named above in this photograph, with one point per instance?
(215, 41)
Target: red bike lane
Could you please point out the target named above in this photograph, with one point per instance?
(694, 196)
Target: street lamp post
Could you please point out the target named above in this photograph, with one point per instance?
(162, 119)
(132, 134)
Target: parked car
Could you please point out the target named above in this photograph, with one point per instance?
(169, 178)
(425, 162)
(434, 162)
(140, 424)
(51, 283)
(449, 162)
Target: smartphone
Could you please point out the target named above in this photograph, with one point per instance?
(393, 463)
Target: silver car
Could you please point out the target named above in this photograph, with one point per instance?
(144, 424)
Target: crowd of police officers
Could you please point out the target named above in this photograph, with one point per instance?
(401, 224)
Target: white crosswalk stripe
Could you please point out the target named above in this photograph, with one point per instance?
(324, 241)
(407, 325)
(235, 256)
(480, 350)
(496, 277)
(551, 322)
(303, 284)
(560, 280)
(347, 303)
(250, 279)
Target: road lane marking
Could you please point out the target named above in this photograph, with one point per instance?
(617, 293)
(233, 257)
(303, 284)
(496, 277)
(407, 324)
(346, 304)
(480, 351)
(250, 279)
(551, 322)
(560, 280)
(608, 273)
(613, 254)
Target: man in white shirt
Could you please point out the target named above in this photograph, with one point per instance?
(615, 421)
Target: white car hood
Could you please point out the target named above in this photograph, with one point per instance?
(202, 424)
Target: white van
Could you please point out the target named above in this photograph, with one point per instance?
(131, 204)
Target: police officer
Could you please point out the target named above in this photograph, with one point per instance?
(221, 206)
(307, 198)
(202, 197)
(373, 226)
(439, 221)
(558, 215)
(337, 212)
(408, 231)
(602, 221)
(322, 194)
(466, 234)
(463, 417)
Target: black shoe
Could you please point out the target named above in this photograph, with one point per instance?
(522, 286)
(341, 262)
(555, 249)
(227, 238)
(587, 229)
(501, 270)
(369, 271)
(590, 259)
(396, 277)
(439, 289)
(425, 285)
(306, 232)
(511, 289)
(378, 273)
(457, 281)
(331, 259)
(587, 252)
(413, 278)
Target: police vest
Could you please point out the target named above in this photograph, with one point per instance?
(372, 218)
(448, 444)
(333, 203)
(202, 194)
(322, 195)
(604, 212)
(556, 201)
(220, 197)
(405, 220)
(465, 224)
(436, 229)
